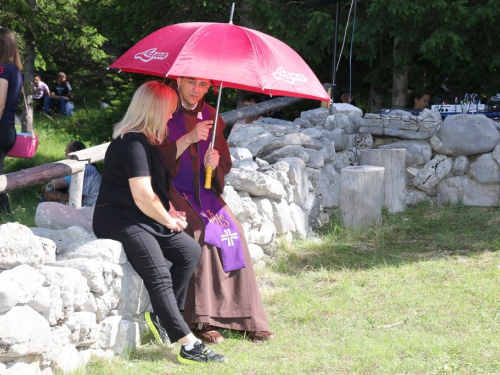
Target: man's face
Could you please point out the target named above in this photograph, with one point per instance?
(36, 80)
(61, 78)
(192, 90)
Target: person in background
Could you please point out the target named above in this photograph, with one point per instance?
(58, 190)
(61, 94)
(223, 292)
(11, 83)
(133, 207)
(249, 99)
(40, 92)
(421, 100)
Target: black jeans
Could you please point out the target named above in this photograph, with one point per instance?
(146, 253)
(7, 142)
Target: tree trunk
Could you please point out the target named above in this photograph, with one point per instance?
(376, 100)
(394, 162)
(29, 71)
(399, 82)
(361, 196)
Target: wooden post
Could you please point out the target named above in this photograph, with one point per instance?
(75, 189)
(393, 160)
(361, 196)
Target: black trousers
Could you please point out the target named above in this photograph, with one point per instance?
(7, 142)
(146, 253)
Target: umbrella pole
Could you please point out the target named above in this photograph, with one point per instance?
(208, 175)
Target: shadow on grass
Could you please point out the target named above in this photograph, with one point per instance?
(418, 234)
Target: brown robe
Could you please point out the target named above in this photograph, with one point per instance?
(223, 299)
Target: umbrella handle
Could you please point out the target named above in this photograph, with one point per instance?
(208, 178)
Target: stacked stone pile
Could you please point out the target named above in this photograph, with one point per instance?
(64, 295)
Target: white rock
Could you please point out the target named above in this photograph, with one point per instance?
(68, 360)
(253, 138)
(23, 332)
(468, 191)
(245, 164)
(74, 287)
(9, 295)
(65, 237)
(255, 183)
(109, 330)
(103, 250)
(433, 172)
(28, 281)
(22, 368)
(300, 220)
(485, 169)
(256, 252)
(127, 338)
(18, 245)
(282, 217)
(460, 165)
(132, 293)
(297, 176)
(41, 300)
(55, 313)
(100, 275)
(84, 328)
(263, 234)
(240, 153)
(54, 215)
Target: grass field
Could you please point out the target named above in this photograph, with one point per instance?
(417, 295)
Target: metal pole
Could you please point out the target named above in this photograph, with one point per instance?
(334, 75)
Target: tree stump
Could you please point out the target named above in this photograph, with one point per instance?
(393, 160)
(361, 196)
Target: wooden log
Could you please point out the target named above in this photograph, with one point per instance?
(361, 196)
(92, 155)
(258, 109)
(393, 160)
(38, 174)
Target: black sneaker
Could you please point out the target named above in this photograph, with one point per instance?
(199, 354)
(156, 328)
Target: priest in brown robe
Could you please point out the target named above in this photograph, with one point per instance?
(223, 292)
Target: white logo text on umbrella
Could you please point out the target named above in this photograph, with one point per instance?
(229, 237)
(151, 54)
(288, 77)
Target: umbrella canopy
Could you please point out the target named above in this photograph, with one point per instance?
(224, 53)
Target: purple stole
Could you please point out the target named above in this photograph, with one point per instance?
(220, 230)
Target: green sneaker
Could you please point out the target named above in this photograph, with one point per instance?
(154, 325)
(198, 355)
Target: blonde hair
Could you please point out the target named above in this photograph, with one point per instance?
(148, 112)
(9, 53)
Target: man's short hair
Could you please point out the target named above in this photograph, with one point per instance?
(61, 74)
(37, 75)
(75, 146)
(256, 98)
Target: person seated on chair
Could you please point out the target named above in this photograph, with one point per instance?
(58, 190)
(421, 100)
(60, 94)
(40, 92)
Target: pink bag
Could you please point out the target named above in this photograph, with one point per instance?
(26, 143)
(25, 147)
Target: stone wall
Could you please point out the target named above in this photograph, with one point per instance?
(65, 295)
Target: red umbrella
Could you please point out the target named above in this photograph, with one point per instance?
(229, 56)
(235, 56)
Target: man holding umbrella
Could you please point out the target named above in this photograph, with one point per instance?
(223, 292)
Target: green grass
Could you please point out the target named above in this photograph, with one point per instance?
(415, 295)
